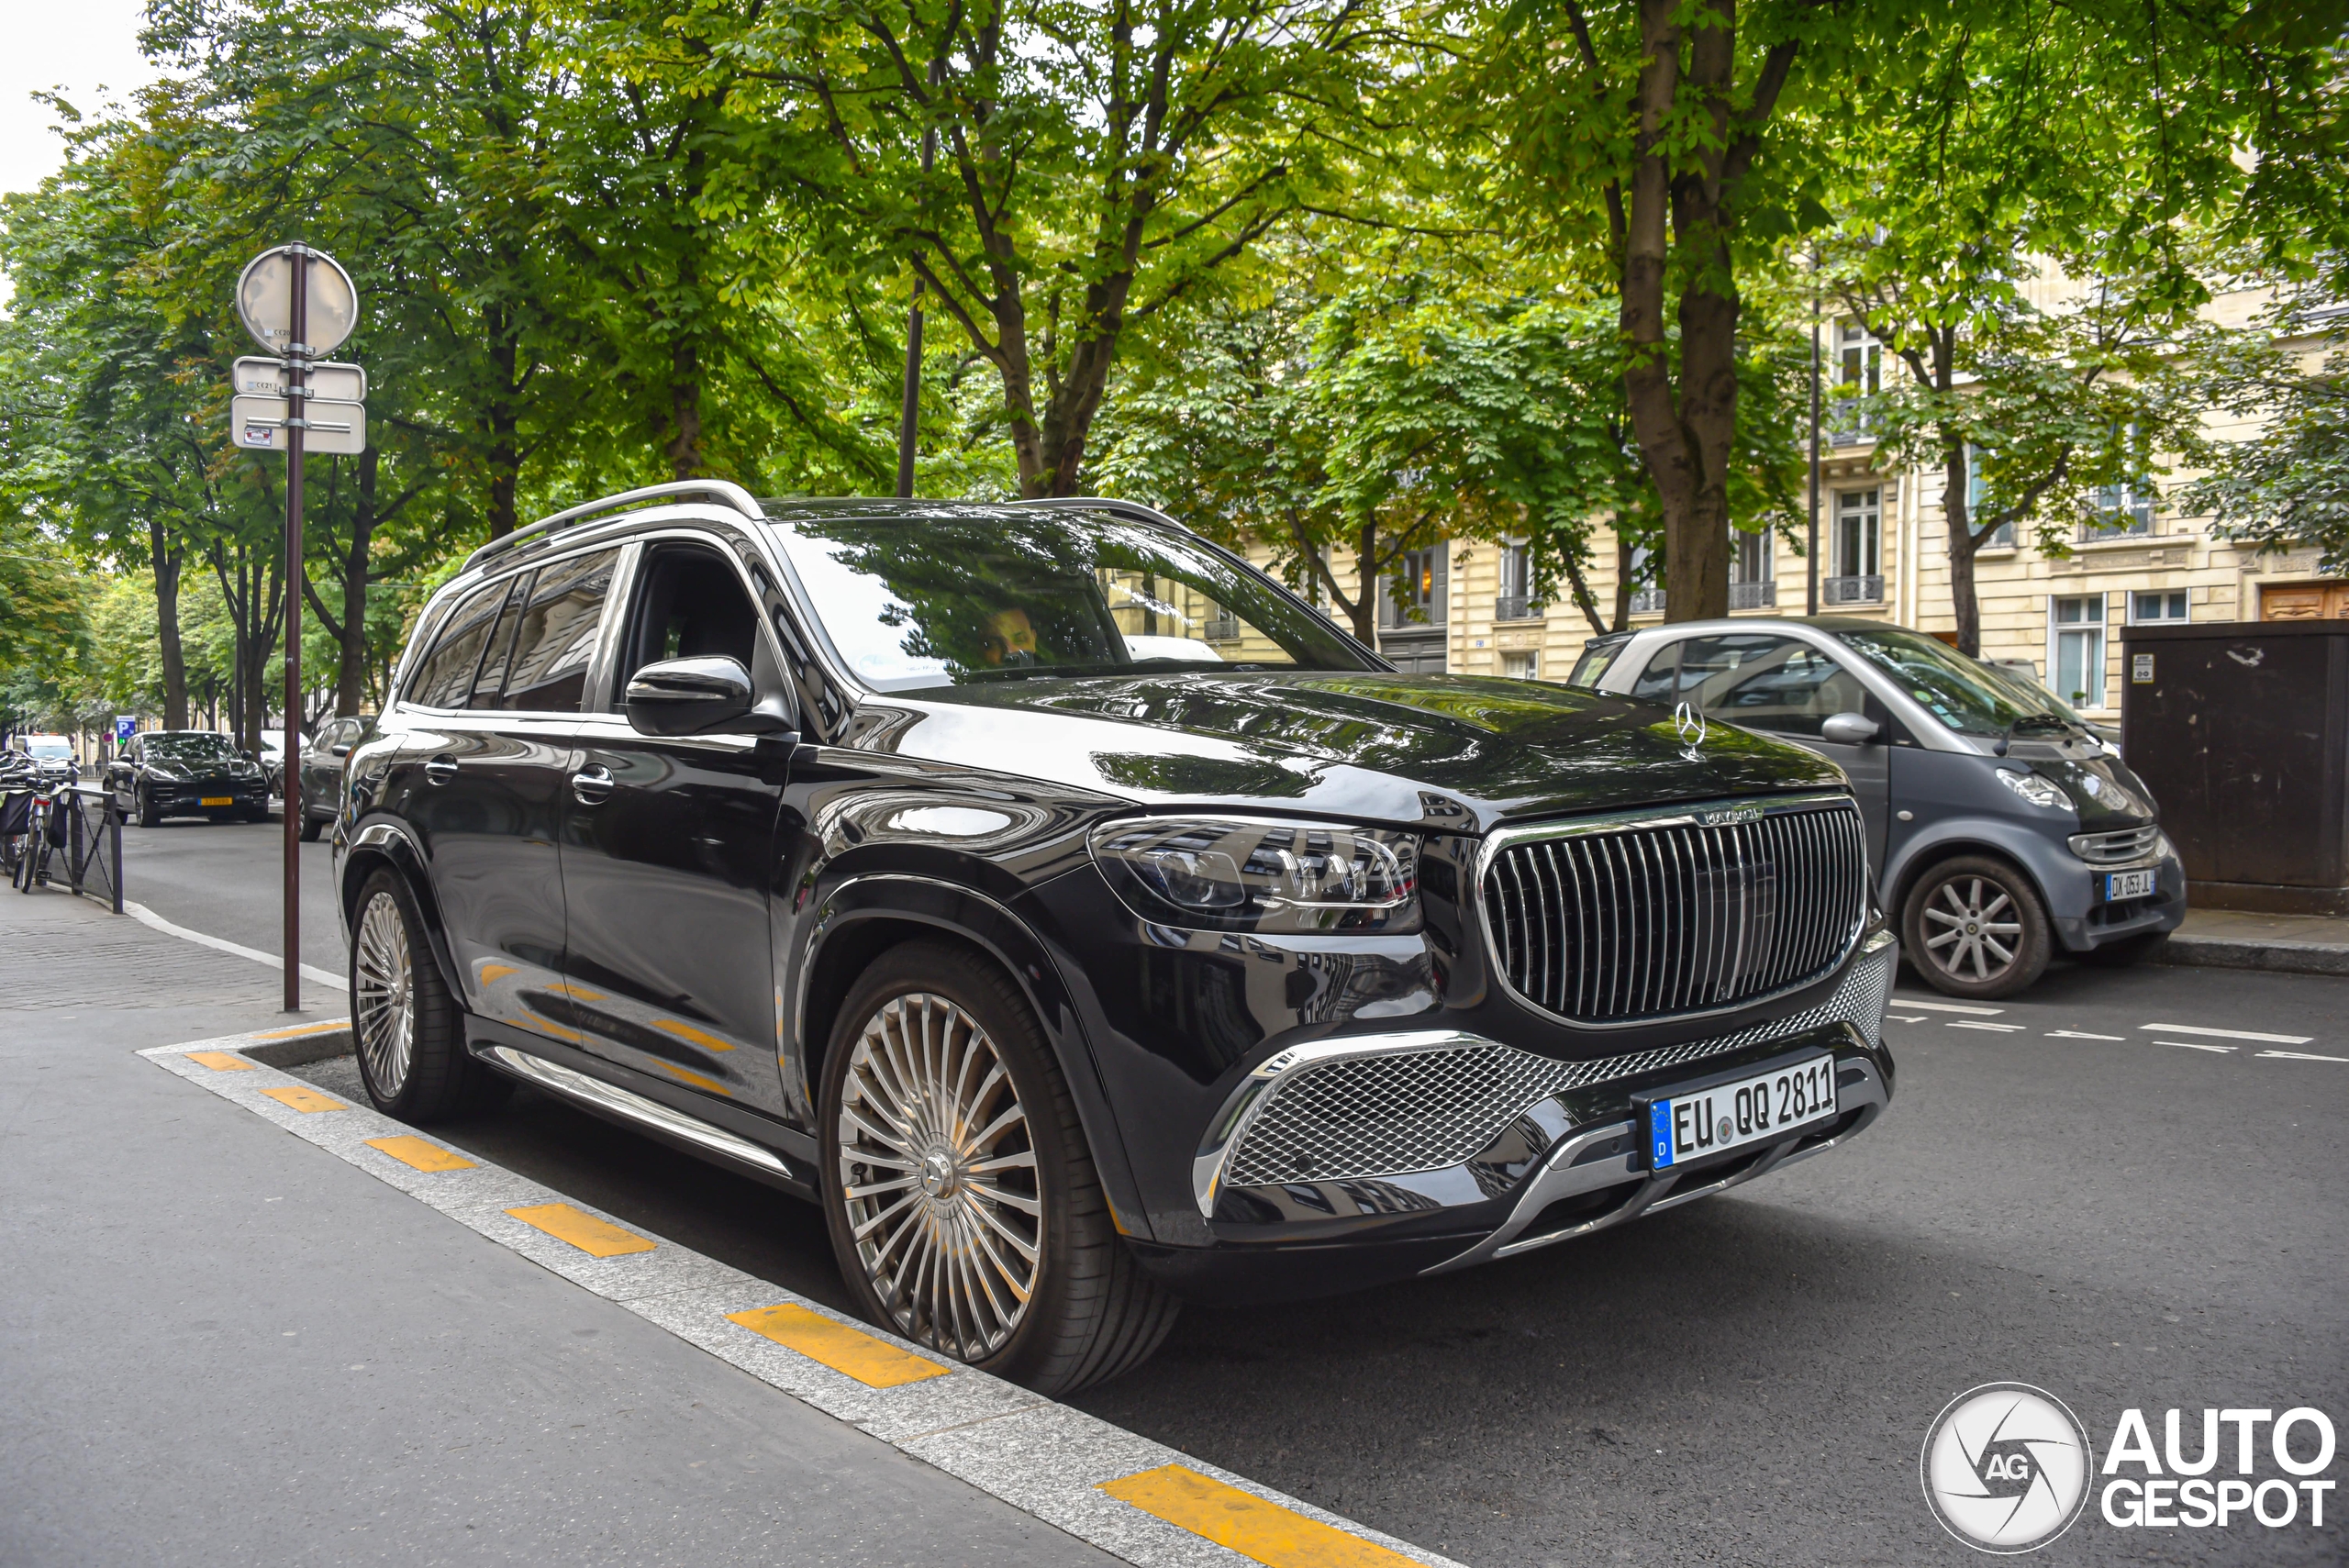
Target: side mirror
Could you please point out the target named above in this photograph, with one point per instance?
(338, 750)
(1848, 729)
(249, 757)
(701, 696)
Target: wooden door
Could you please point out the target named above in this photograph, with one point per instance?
(2304, 601)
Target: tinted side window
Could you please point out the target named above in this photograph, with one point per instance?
(1659, 680)
(1767, 682)
(492, 678)
(556, 641)
(445, 679)
(692, 606)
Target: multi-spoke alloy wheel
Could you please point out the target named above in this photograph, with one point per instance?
(408, 1028)
(383, 1003)
(939, 1173)
(1975, 928)
(961, 1194)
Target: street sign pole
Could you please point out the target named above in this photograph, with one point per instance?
(297, 353)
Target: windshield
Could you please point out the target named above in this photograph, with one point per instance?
(971, 594)
(49, 746)
(189, 746)
(1963, 694)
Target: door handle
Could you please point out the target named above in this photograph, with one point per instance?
(440, 769)
(591, 786)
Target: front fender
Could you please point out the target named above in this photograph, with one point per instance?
(865, 912)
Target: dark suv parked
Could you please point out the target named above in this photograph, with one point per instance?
(186, 773)
(1080, 918)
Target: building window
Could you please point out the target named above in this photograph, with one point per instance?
(2078, 633)
(1647, 589)
(1858, 375)
(1416, 593)
(2123, 511)
(1858, 532)
(1750, 584)
(1977, 497)
(1517, 601)
(2153, 609)
(1524, 666)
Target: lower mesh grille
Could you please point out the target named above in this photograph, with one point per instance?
(1421, 1110)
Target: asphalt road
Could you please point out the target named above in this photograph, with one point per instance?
(2125, 1216)
(227, 879)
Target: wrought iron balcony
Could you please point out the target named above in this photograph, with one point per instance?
(1221, 629)
(1851, 590)
(1753, 595)
(1518, 606)
(1647, 601)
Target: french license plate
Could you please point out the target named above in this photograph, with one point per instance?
(2120, 884)
(219, 800)
(1768, 1105)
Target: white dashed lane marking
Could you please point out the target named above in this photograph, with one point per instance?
(2197, 1045)
(1974, 1024)
(2082, 1034)
(2302, 1056)
(1949, 1008)
(2226, 1034)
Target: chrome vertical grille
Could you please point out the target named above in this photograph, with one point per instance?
(1682, 913)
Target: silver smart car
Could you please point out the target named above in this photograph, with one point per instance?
(2001, 829)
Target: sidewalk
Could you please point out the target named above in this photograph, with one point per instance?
(225, 1346)
(2231, 938)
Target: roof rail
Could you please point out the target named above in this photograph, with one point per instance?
(724, 490)
(1132, 509)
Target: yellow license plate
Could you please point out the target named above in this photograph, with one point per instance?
(219, 800)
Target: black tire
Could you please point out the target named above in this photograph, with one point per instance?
(1090, 1312)
(391, 962)
(2126, 953)
(311, 827)
(144, 804)
(1975, 928)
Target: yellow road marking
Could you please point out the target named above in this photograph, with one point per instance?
(582, 1230)
(300, 1099)
(421, 1153)
(222, 1060)
(332, 1025)
(698, 1081)
(701, 1038)
(1266, 1532)
(874, 1363)
(490, 971)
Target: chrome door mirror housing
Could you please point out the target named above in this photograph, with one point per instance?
(701, 696)
(1849, 729)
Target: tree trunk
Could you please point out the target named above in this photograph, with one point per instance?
(1367, 587)
(505, 447)
(685, 413)
(165, 561)
(1626, 563)
(350, 678)
(1962, 597)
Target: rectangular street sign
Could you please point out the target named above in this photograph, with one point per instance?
(266, 378)
(259, 423)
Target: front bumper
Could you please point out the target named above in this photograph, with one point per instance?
(177, 799)
(1349, 1161)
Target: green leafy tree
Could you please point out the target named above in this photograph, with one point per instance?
(2289, 482)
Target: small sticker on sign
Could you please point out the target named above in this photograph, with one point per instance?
(260, 436)
(2140, 669)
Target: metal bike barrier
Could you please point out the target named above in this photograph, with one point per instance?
(81, 825)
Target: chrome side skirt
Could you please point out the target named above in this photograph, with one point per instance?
(628, 1106)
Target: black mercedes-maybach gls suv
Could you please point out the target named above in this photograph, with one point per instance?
(1081, 918)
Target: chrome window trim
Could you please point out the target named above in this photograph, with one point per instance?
(1694, 814)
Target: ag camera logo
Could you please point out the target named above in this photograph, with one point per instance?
(2006, 1467)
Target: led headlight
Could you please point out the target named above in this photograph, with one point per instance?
(2034, 789)
(1233, 875)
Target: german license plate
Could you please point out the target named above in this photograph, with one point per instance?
(1768, 1105)
(2120, 884)
(219, 800)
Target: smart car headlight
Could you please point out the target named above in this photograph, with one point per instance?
(1239, 874)
(2037, 790)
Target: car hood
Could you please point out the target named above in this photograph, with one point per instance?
(1454, 751)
